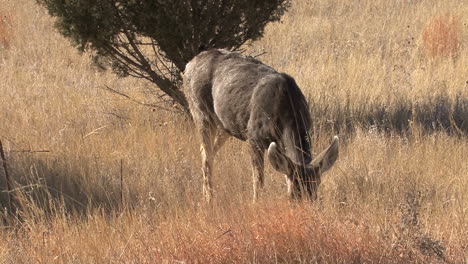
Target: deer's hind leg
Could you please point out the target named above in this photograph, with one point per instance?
(208, 134)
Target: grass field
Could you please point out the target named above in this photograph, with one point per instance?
(99, 179)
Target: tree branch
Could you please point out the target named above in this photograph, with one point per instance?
(107, 88)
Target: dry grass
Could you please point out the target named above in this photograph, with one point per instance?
(398, 193)
(263, 233)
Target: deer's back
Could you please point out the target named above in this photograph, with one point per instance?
(245, 97)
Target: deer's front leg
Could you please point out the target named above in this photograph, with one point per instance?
(257, 170)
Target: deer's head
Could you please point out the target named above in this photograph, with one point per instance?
(303, 179)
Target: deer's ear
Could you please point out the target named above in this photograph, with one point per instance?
(278, 160)
(325, 160)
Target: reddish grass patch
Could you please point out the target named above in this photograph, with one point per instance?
(440, 36)
(271, 233)
(5, 30)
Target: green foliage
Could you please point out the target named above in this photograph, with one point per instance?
(155, 39)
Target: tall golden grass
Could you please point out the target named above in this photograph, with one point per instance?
(100, 179)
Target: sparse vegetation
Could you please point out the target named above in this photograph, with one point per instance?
(397, 194)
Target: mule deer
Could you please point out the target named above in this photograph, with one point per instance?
(237, 95)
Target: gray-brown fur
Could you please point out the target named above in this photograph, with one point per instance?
(237, 95)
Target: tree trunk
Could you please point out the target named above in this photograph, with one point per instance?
(171, 90)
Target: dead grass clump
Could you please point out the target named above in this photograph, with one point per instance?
(6, 32)
(440, 36)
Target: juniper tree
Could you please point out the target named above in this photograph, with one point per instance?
(154, 39)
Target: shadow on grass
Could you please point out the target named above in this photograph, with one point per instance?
(404, 117)
(45, 185)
